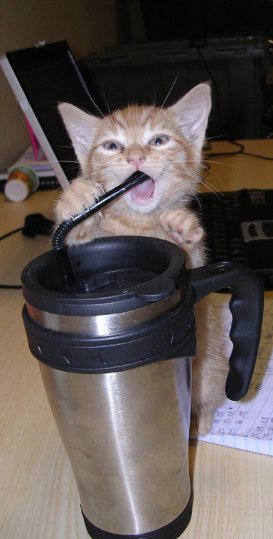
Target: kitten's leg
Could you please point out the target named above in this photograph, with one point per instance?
(79, 195)
(183, 228)
(210, 366)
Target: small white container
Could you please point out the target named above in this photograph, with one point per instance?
(22, 181)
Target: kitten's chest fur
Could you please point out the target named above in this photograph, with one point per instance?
(115, 223)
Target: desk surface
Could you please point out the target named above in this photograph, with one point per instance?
(233, 494)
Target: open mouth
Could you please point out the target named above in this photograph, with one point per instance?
(143, 192)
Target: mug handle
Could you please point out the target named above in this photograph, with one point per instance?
(246, 306)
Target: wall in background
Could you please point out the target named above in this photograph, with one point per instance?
(87, 25)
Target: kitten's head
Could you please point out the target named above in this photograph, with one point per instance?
(164, 143)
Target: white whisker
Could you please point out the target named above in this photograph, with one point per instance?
(223, 164)
(170, 91)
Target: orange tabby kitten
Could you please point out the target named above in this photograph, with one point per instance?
(165, 144)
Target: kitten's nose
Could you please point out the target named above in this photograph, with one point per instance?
(136, 156)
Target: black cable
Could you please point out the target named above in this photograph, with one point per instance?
(10, 233)
(241, 151)
(265, 157)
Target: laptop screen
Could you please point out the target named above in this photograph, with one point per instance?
(41, 77)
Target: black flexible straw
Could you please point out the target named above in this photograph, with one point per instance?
(58, 239)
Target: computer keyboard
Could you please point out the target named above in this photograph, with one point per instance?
(239, 227)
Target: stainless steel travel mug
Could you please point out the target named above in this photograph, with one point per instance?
(115, 356)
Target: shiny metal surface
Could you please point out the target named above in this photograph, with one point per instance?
(103, 325)
(126, 435)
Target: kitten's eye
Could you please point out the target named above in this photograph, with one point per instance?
(159, 140)
(113, 146)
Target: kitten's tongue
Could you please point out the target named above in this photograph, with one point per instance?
(144, 190)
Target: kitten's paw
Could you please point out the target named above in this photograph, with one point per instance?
(183, 228)
(80, 195)
(201, 424)
(204, 423)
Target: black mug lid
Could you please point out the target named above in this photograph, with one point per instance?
(112, 274)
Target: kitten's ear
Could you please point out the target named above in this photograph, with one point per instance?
(81, 128)
(193, 112)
